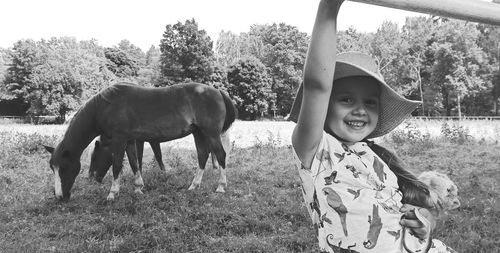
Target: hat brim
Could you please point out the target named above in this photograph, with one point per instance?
(394, 108)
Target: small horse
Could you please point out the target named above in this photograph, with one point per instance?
(101, 160)
(124, 113)
(101, 157)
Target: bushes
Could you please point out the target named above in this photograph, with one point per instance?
(418, 137)
(413, 136)
(455, 133)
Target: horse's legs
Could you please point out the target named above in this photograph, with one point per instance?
(132, 159)
(139, 145)
(118, 150)
(218, 151)
(155, 146)
(202, 150)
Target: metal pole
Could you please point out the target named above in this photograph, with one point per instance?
(470, 10)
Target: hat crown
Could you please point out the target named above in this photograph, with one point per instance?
(360, 60)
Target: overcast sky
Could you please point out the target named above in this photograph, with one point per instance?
(143, 22)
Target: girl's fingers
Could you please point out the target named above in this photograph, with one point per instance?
(407, 207)
(410, 223)
(416, 228)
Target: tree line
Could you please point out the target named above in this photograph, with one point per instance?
(451, 66)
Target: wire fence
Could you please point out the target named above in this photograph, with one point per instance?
(457, 117)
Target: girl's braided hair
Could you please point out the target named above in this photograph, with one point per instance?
(415, 192)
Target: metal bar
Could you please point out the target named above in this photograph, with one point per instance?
(470, 10)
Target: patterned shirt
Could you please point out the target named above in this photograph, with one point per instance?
(353, 199)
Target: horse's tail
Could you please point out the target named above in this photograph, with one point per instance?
(231, 112)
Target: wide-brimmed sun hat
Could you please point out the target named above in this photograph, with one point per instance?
(394, 108)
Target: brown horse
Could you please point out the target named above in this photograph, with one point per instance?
(102, 159)
(125, 113)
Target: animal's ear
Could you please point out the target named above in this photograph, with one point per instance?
(49, 149)
(434, 182)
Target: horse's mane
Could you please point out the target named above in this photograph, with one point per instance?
(75, 136)
(87, 109)
(108, 95)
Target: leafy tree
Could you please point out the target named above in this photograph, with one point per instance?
(152, 56)
(284, 50)
(133, 52)
(150, 74)
(228, 48)
(186, 53)
(458, 63)
(388, 47)
(121, 63)
(417, 33)
(489, 41)
(250, 87)
(4, 61)
(351, 40)
(53, 76)
(10, 104)
(218, 78)
(25, 57)
(495, 80)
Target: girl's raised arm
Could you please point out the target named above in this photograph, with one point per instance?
(318, 79)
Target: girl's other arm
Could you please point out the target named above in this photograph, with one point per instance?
(318, 79)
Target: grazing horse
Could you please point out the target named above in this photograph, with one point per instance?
(124, 113)
(101, 160)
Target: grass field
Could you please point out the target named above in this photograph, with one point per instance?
(262, 210)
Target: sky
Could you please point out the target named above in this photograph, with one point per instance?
(143, 22)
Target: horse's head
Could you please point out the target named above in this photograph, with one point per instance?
(66, 167)
(100, 161)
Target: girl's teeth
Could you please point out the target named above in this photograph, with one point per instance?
(356, 124)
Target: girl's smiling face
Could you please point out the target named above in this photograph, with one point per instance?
(354, 108)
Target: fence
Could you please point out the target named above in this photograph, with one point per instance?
(457, 117)
(29, 119)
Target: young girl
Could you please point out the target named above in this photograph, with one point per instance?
(353, 197)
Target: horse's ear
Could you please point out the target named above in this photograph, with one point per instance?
(49, 149)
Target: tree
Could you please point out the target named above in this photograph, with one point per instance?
(489, 41)
(417, 32)
(133, 52)
(121, 63)
(186, 53)
(218, 78)
(250, 87)
(25, 57)
(458, 63)
(150, 74)
(284, 51)
(228, 48)
(351, 40)
(54, 76)
(388, 47)
(4, 61)
(10, 104)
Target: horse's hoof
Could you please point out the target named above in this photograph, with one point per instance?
(110, 197)
(193, 187)
(220, 189)
(138, 191)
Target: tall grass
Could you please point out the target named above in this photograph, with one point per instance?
(262, 210)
